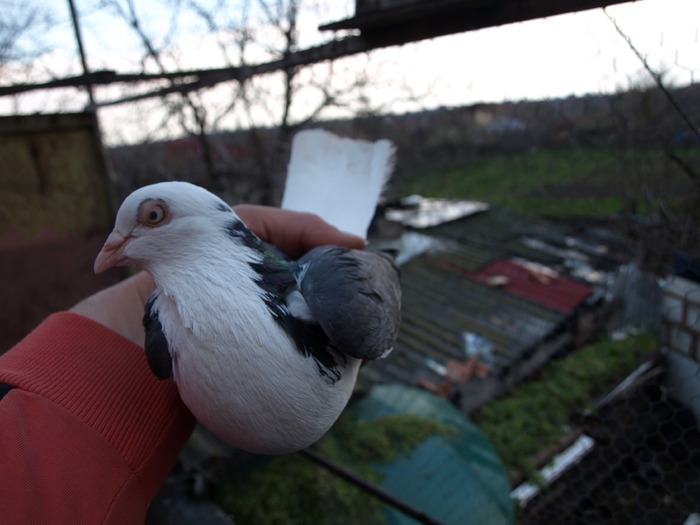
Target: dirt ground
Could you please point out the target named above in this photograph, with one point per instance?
(42, 278)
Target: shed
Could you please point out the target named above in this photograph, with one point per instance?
(55, 213)
(54, 183)
(495, 299)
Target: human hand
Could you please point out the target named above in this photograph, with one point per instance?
(293, 232)
(120, 307)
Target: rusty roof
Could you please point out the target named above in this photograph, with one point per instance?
(448, 300)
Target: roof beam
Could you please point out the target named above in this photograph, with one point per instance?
(408, 22)
(418, 20)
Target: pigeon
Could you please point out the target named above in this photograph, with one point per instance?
(265, 351)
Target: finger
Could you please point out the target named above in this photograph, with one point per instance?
(293, 232)
(316, 232)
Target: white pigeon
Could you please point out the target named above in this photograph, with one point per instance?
(265, 352)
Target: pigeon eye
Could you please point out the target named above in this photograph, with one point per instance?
(153, 213)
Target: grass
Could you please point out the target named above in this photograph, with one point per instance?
(564, 181)
(533, 417)
(291, 490)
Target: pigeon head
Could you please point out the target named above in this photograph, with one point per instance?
(158, 223)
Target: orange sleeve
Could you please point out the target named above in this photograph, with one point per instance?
(87, 433)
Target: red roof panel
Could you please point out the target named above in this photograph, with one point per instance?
(545, 288)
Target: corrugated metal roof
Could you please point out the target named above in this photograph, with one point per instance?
(446, 299)
(538, 285)
(441, 303)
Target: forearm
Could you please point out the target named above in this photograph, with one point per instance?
(88, 429)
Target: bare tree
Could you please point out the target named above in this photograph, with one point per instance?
(17, 20)
(187, 108)
(271, 106)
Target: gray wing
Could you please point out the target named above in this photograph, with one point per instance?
(355, 295)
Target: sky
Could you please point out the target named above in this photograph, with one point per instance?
(573, 54)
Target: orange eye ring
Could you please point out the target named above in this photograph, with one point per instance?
(153, 213)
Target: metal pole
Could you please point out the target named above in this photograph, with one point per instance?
(81, 51)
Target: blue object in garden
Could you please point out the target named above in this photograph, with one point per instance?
(455, 478)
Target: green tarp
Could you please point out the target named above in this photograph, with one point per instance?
(456, 478)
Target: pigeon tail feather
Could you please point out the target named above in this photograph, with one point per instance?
(339, 179)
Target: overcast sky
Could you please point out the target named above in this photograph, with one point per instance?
(571, 54)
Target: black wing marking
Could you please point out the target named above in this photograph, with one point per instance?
(240, 232)
(276, 278)
(156, 344)
(355, 295)
(311, 341)
(221, 206)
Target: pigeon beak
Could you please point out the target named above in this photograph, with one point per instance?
(112, 253)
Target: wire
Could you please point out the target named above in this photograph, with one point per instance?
(656, 76)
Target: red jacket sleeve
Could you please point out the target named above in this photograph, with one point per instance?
(87, 433)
